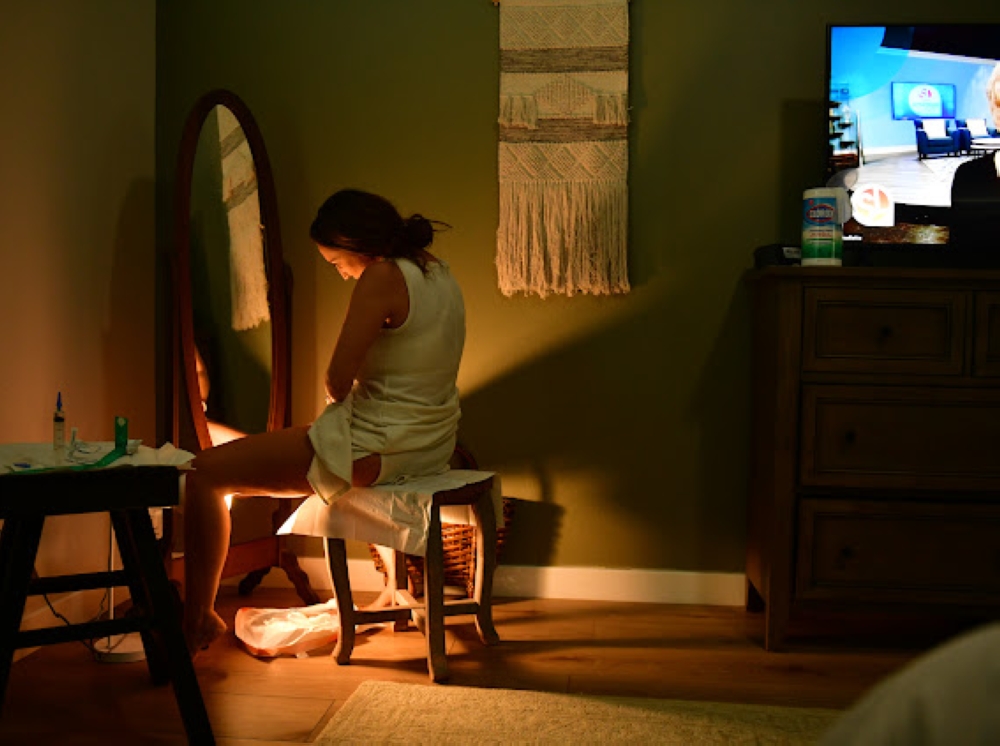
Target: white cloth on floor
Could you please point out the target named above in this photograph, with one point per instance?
(391, 515)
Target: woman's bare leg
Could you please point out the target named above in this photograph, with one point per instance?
(274, 464)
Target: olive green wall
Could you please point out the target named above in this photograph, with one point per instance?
(622, 422)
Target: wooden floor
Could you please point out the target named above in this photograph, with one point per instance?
(60, 695)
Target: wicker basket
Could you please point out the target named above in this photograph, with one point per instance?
(459, 543)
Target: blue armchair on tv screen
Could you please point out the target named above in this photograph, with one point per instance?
(971, 130)
(937, 137)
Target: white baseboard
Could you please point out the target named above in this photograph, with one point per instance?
(581, 583)
(625, 585)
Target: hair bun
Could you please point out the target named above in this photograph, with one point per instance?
(418, 231)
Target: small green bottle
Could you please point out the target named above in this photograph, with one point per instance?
(121, 433)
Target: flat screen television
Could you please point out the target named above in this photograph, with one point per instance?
(885, 82)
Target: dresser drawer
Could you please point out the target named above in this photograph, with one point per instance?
(898, 551)
(868, 330)
(903, 437)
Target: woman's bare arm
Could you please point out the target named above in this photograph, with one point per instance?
(379, 298)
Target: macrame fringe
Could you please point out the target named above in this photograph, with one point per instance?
(247, 276)
(519, 111)
(611, 108)
(563, 237)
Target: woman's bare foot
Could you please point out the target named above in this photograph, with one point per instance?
(201, 632)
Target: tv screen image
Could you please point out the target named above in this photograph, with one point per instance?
(923, 100)
(884, 83)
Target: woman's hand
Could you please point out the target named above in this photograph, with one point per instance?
(326, 384)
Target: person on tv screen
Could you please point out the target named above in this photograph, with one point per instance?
(975, 193)
(993, 94)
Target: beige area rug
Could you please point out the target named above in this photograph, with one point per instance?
(386, 712)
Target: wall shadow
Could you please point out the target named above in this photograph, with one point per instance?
(560, 417)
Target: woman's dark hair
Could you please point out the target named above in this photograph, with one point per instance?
(368, 224)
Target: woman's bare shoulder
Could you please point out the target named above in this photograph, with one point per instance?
(382, 276)
(383, 287)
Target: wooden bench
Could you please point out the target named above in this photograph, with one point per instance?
(398, 605)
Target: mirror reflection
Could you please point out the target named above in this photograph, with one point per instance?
(231, 296)
(232, 322)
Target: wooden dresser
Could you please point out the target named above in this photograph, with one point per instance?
(875, 454)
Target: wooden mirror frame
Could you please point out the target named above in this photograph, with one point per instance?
(252, 558)
(274, 265)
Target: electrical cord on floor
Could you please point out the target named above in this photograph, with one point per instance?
(101, 612)
(89, 644)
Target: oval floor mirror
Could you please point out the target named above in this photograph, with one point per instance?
(232, 331)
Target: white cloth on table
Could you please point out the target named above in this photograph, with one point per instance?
(22, 457)
(391, 515)
(17, 457)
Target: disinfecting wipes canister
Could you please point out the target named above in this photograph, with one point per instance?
(822, 226)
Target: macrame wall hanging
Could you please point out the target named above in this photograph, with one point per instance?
(563, 149)
(247, 276)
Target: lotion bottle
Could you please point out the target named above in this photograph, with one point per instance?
(58, 426)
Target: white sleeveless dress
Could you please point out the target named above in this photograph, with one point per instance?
(404, 404)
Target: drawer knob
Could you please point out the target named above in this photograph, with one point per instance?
(845, 555)
(850, 437)
(884, 333)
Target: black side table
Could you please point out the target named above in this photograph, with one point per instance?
(127, 493)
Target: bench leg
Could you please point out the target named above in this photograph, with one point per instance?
(486, 564)
(400, 587)
(18, 547)
(395, 574)
(336, 557)
(434, 599)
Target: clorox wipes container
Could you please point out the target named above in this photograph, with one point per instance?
(824, 212)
